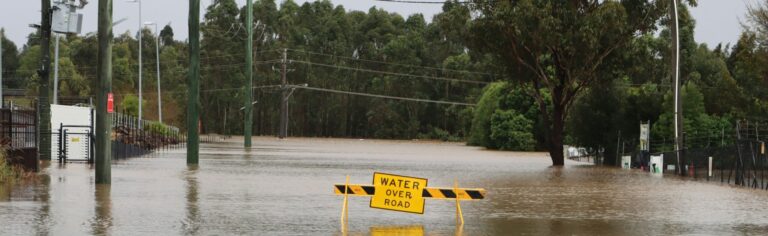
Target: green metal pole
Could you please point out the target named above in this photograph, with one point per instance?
(249, 75)
(44, 151)
(103, 124)
(193, 113)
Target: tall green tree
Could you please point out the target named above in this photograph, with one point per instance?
(558, 47)
(166, 36)
(10, 59)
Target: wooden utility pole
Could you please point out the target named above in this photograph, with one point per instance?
(248, 76)
(103, 119)
(2, 35)
(193, 106)
(43, 100)
(284, 100)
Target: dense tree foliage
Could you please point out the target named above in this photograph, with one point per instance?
(714, 95)
(506, 118)
(374, 52)
(560, 48)
(542, 73)
(10, 59)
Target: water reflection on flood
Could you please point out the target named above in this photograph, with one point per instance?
(191, 224)
(413, 230)
(102, 219)
(284, 187)
(399, 230)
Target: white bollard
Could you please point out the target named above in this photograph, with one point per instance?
(710, 167)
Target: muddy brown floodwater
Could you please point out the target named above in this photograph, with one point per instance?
(285, 188)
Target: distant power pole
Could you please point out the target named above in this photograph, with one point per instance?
(248, 76)
(284, 100)
(676, 73)
(44, 101)
(193, 109)
(103, 119)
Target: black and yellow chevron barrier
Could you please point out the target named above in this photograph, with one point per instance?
(429, 192)
(405, 194)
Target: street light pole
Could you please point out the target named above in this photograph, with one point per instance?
(157, 52)
(56, 72)
(140, 62)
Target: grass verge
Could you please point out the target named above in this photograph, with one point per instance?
(9, 173)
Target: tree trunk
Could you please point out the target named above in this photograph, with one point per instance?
(556, 142)
(556, 132)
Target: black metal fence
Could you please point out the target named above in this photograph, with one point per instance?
(18, 134)
(135, 137)
(131, 136)
(18, 128)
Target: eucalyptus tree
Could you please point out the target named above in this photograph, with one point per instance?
(558, 47)
(222, 44)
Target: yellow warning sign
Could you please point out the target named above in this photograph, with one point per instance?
(398, 193)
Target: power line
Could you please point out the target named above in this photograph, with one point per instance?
(206, 90)
(383, 96)
(81, 69)
(390, 63)
(395, 73)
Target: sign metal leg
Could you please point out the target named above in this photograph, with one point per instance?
(459, 214)
(344, 210)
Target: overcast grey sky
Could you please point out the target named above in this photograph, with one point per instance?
(717, 20)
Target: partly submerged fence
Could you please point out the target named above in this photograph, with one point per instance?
(18, 128)
(135, 137)
(131, 136)
(739, 159)
(18, 135)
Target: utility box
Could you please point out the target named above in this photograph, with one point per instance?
(626, 162)
(65, 19)
(657, 164)
(73, 133)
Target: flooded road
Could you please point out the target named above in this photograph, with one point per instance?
(285, 188)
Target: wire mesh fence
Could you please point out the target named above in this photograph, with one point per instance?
(738, 158)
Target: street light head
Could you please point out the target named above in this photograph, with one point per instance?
(114, 23)
(133, 0)
(149, 23)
